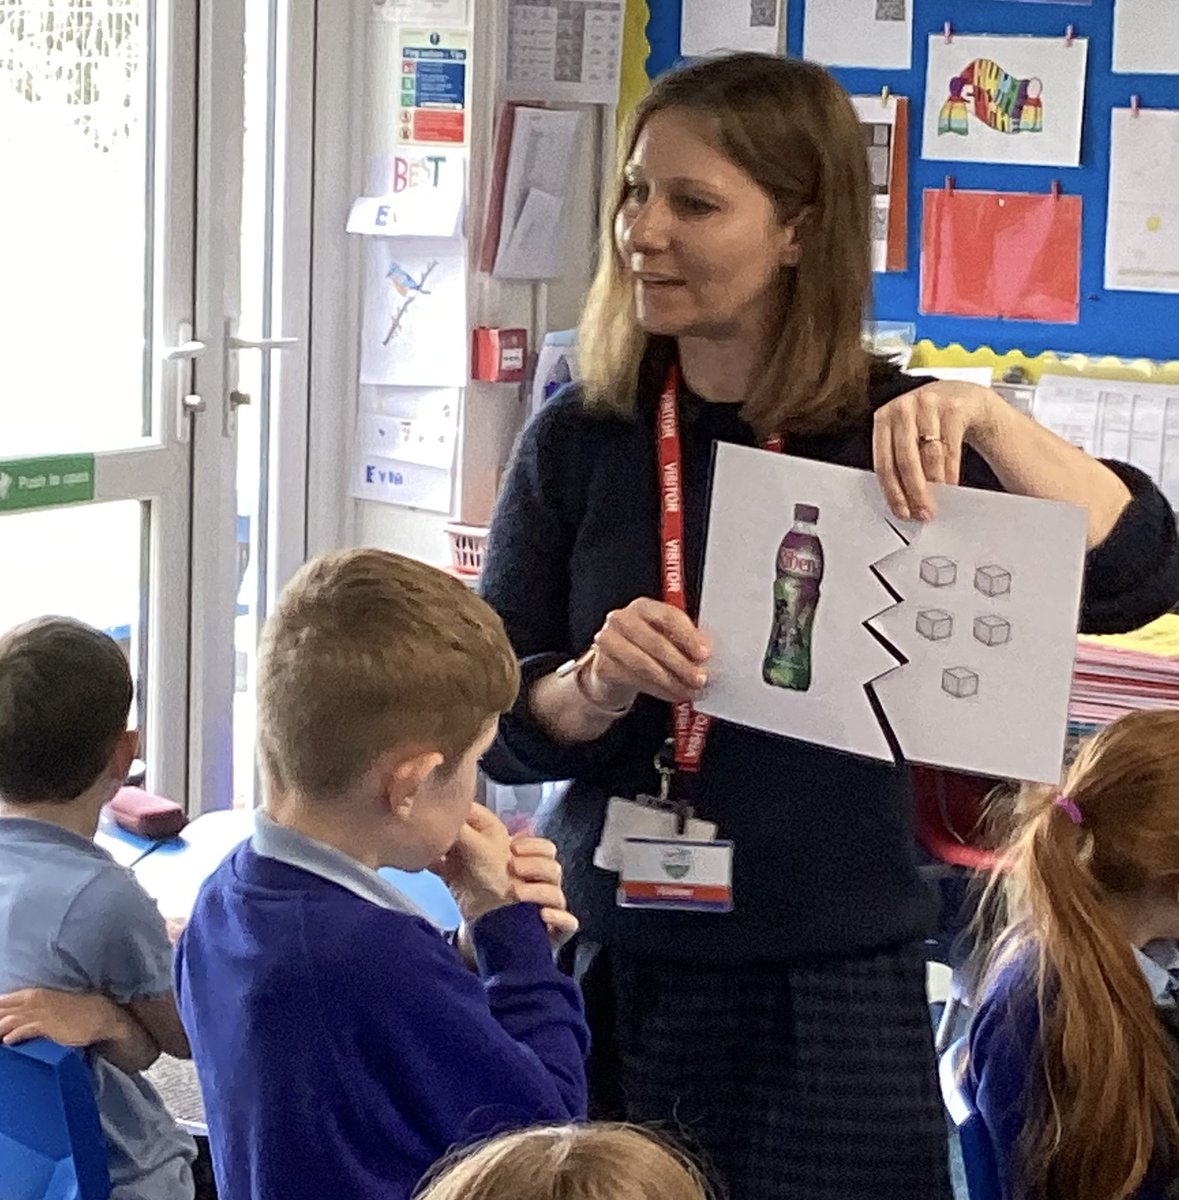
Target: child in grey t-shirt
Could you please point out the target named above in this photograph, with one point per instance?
(84, 956)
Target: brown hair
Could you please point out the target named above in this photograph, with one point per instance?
(1103, 1108)
(571, 1162)
(791, 128)
(65, 691)
(367, 651)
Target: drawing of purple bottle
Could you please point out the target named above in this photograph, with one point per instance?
(796, 597)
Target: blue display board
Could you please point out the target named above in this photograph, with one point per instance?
(1130, 324)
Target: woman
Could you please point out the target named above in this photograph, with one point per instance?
(788, 1039)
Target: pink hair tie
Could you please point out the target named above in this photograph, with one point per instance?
(1070, 807)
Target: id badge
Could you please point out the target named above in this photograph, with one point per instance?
(685, 874)
(645, 819)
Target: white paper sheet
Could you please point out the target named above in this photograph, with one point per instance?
(859, 33)
(568, 51)
(715, 26)
(1146, 37)
(983, 376)
(414, 425)
(1135, 422)
(422, 194)
(414, 331)
(1052, 69)
(540, 167)
(987, 694)
(404, 448)
(430, 12)
(878, 119)
(1142, 230)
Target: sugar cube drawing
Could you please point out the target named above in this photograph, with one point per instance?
(992, 630)
(935, 624)
(939, 571)
(960, 682)
(992, 580)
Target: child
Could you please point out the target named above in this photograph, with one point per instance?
(570, 1162)
(343, 1045)
(1072, 1052)
(83, 950)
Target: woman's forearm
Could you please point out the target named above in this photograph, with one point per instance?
(1030, 460)
(565, 713)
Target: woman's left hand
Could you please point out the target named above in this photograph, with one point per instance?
(917, 439)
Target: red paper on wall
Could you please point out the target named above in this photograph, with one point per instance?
(1012, 255)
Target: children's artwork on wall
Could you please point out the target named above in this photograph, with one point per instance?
(1142, 235)
(716, 26)
(1005, 99)
(834, 623)
(404, 446)
(415, 313)
(1146, 37)
(1012, 255)
(859, 33)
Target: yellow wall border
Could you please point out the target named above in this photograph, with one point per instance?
(927, 354)
(633, 81)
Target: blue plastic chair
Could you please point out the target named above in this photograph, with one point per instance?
(978, 1156)
(51, 1142)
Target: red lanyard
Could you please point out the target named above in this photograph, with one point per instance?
(691, 728)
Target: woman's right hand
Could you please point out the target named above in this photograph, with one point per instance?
(647, 647)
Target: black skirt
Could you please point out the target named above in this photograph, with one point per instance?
(786, 1082)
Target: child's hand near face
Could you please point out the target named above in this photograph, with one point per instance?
(537, 876)
(487, 869)
(475, 868)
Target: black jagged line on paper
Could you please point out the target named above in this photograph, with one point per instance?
(874, 703)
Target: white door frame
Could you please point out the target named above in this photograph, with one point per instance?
(215, 551)
(219, 123)
(156, 470)
(335, 270)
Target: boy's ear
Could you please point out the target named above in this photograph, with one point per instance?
(403, 777)
(126, 748)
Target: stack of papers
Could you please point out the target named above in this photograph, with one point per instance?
(1118, 674)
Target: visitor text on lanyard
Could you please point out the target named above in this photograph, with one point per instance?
(690, 727)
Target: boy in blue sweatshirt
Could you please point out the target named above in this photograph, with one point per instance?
(343, 1043)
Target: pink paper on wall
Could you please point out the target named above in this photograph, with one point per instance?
(1012, 255)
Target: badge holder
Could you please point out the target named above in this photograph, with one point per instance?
(665, 857)
(647, 816)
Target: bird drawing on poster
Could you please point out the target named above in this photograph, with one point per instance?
(1000, 101)
(404, 283)
(408, 289)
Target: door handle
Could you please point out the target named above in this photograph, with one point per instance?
(186, 404)
(184, 352)
(236, 342)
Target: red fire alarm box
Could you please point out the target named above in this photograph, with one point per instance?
(499, 355)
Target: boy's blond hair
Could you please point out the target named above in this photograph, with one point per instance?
(569, 1162)
(368, 651)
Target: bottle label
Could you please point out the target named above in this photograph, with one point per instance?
(803, 563)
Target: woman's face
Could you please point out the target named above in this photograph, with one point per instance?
(699, 239)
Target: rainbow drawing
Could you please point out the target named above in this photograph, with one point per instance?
(1000, 100)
